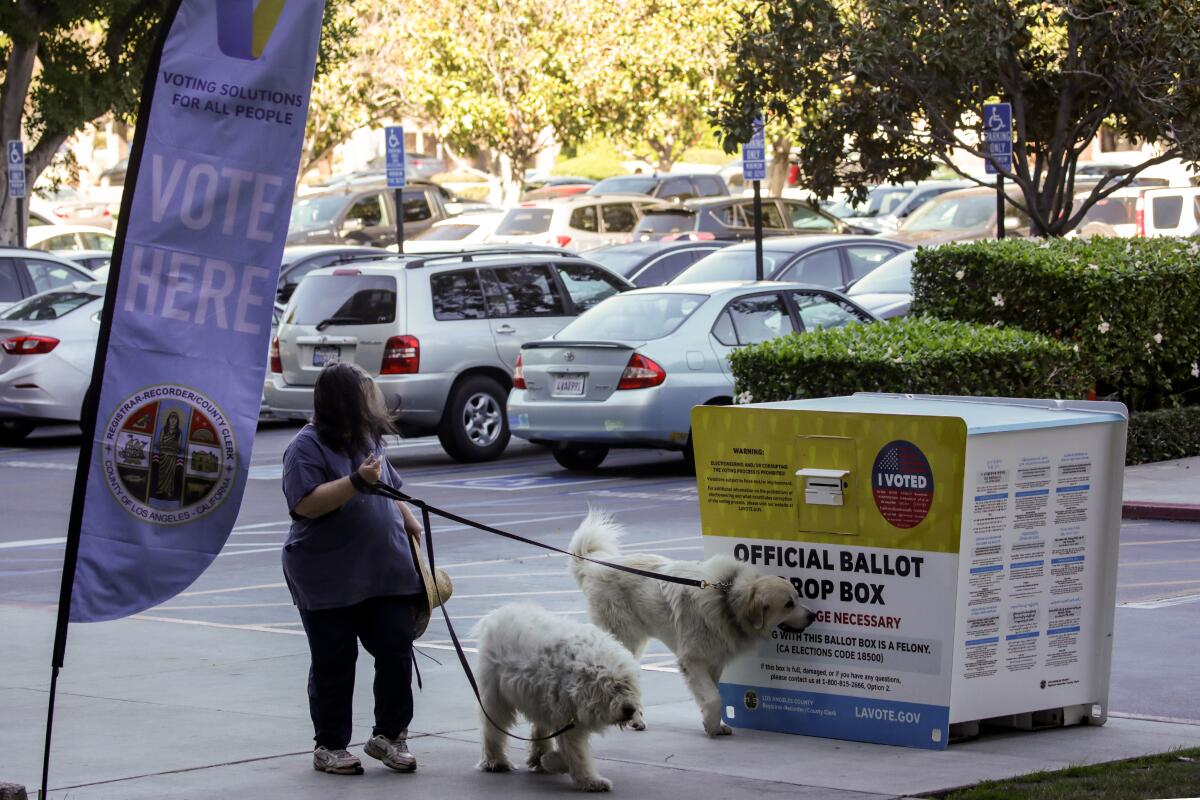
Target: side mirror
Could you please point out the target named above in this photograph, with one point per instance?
(352, 224)
(285, 291)
(1011, 223)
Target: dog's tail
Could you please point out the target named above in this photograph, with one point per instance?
(598, 536)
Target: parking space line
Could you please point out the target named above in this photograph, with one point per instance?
(1162, 541)
(520, 594)
(233, 589)
(274, 549)
(32, 543)
(1160, 563)
(221, 605)
(1165, 602)
(1156, 583)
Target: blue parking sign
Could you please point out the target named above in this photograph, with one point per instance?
(997, 136)
(15, 152)
(754, 153)
(394, 141)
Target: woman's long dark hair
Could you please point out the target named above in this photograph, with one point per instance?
(348, 411)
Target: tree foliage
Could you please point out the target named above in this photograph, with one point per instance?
(881, 90)
(69, 62)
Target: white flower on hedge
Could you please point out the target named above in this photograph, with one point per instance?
(1075, 348)
(1092, 266)
(1158, 338)
(849, 351)
(743, 399)
(897, 359)
(1195, 369)
(1103, 327)
(960, 274)
(998, 299)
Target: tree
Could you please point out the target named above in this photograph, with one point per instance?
(880, 90)
(69, 62)
(656, 76)
(500, 74)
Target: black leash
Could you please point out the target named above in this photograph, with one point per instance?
(389, 491)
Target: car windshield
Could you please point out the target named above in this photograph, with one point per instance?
(730, 264)
(525, 222)
(446, 233)
(620, 260)
(324, 300)
(948, 213)
(50, 305)
(665, 222)
(880, 200)
(635, 316)
(625, 184)
(313, 212)
(893, 276)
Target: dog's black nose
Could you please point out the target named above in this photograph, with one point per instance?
(628, 710)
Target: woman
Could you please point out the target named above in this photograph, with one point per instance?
(350, 569)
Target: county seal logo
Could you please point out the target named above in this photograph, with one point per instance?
(169, 454)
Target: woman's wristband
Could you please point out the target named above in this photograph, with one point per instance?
(359, 483)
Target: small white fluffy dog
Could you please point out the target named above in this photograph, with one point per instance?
(554, 672)
(704, 628)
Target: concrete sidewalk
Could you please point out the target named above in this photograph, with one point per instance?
(160, 710)
(1163, 490)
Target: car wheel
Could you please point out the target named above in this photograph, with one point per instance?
(475, 423)
(12, 431)
(582, 457)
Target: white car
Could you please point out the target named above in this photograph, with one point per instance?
(65, 238)
(578, 222)
(462, 232)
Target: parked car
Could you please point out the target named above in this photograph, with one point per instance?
(457, 233)
(441, 335)
(47, 345)
(668, 186)
(887, 205)
(831, 262)
(24, 273)
(363, 214)
(115, 175)
(961, 216)
(554, 186)
(95, 261)
(628, 372)
(65, 238)
(579, 222)
(732, 218)
(67, 206)
(653, 263)
(301, 259)
(886, 291)
(1171, 211)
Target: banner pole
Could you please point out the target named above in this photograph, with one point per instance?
(90, 410)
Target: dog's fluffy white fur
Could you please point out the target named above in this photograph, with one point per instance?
(554, 672)
(704, 628)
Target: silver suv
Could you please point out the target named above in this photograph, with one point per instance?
(441, 334)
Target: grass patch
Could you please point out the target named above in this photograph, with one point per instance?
(1174, 774)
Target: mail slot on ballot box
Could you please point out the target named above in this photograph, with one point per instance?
(960, 553)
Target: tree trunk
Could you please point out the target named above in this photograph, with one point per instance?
(18, 73)
(781, 149)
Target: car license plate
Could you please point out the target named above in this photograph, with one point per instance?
(568, 385)
(326, 354)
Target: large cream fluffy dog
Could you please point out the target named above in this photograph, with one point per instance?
(704, 628)
(554, 672)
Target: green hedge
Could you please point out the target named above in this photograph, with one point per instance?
(919, 355)
(1164, 434)
(1131, 305)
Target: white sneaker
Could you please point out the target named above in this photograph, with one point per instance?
(392, 752)
(338, 762)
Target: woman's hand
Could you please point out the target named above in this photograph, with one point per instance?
(370, 469)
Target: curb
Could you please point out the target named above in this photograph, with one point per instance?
(1178, 512)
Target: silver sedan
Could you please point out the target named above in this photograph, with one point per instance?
(47, 345)
(628, 372)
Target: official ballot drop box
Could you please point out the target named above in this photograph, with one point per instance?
(960, 553)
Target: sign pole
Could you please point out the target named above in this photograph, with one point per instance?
(758, 236)
(998, 142)
(20, 222)
(999, 206)
(393, 139)
(754, 169)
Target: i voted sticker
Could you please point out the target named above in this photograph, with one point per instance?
(902, 484)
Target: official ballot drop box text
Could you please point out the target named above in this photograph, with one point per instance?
(960, 553)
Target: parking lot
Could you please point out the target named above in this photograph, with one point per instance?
(243, 595)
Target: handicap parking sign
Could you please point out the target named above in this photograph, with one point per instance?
(15, 152)
(394, 141)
